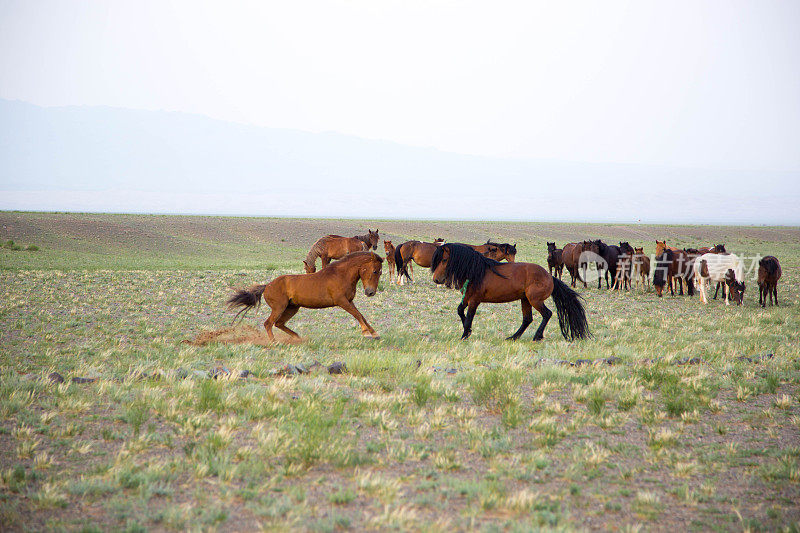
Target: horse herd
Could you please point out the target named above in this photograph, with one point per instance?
(477, 271)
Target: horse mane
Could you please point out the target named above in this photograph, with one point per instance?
(507, 248)
(601, 247)
(353, 257)
(364, 239)
(465, 264)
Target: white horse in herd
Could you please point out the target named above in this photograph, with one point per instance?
(727, 269)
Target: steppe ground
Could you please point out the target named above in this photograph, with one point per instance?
(424, 431)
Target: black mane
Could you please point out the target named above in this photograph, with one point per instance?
(508, 249)
(464, 264)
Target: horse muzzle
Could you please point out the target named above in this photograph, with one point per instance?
(370, 292)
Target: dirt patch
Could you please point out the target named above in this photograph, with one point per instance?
(241, 334)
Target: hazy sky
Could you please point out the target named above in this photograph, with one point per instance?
(687, 84)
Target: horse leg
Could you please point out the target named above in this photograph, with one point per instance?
(775, 292)
(277, 311)
(285, 317)
(546, 314)
(717, 290)
(471, 308)
(366, 329)
(527, 318)
(460, 311)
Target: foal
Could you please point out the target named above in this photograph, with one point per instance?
(769, 272)
(389, 247)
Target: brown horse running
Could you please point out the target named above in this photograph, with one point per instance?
(331, 286)
(572, 259)
(335, 247)
(389, 248)
(481, 279)
(417, 251)
(497, 251)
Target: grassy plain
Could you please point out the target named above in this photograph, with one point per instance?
(424, 432)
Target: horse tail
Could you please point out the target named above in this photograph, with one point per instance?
(571, 314)
(399, 264)
(246, 299)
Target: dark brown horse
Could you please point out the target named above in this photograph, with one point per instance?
(416, 251)
(389, 248)
(681, 270)
(769, 272)
(335, 247)
(575, 260)
(609, 255)
(331, 286)
(624, 267)
(497, 251)
(555, 260)
(481, 279)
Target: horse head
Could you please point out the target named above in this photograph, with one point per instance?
(388, 246)
(660, 247)
(735, 288)
(720, 249)
(511, 252)
(439, 264)
(370, 274)
(310, 269)
(373, 239)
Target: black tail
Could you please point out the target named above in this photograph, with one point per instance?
(398, 263)
(571, 314)
(246, 299)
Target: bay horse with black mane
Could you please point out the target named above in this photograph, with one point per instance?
(416, 251)
(331, 286)
(481, 279)
(335, 247)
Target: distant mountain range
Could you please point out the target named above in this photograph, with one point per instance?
(112, 159)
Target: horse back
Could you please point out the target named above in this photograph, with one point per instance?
(512, 281)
